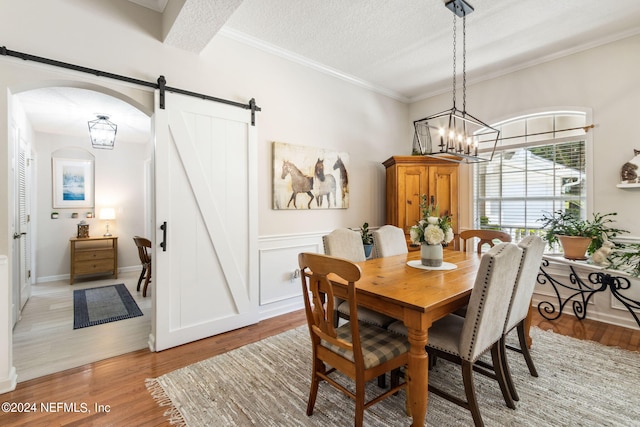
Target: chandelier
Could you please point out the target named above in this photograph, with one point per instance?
(102, 133)
(455, 135)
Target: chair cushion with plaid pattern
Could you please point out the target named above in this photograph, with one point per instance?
(378, 345)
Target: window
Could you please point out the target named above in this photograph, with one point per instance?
(538, 167)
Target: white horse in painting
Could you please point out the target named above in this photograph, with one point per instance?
(326, 185)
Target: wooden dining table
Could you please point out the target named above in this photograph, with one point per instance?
(418, 297)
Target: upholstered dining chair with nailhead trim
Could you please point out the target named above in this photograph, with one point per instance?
(463, 340)
(346, 243)
(389, 240)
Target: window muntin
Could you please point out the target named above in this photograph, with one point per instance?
(541, 172)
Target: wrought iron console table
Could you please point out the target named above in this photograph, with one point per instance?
(582, 290)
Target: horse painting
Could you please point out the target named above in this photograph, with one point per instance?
(344, 180)
(326, 185)
(300, 183)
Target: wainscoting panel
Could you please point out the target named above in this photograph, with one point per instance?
(280, 287)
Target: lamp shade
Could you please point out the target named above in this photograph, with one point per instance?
(102, 133)
(107, 213)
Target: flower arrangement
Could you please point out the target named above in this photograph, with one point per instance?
(432, 229)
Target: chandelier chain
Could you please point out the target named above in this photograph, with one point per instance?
(454, 60)
(464, 64)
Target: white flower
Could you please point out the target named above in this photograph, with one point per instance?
(433, 234)
(432, 229)
(414, 234)
(448, 237)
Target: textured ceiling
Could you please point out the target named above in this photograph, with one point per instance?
(404, 47)
(401, 48)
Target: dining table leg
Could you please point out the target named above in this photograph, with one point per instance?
(417, 376)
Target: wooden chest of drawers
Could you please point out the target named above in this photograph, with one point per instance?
(93, 255)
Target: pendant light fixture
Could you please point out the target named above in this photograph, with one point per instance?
(102, 132)
(454, 134)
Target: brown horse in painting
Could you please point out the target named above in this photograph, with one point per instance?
(344, 179)
(300, 183)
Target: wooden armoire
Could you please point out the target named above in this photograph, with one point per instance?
(408, 178)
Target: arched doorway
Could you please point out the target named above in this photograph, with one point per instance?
(49, 120)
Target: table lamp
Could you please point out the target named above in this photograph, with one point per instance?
(107, 214)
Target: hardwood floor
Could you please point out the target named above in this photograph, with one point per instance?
(119, 382)
(45, 342)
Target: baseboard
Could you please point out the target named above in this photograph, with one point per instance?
(57, 277)
(617, 317)
(280, 308)
(9, 383)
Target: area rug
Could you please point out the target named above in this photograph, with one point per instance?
(580, 383)
(95, 306)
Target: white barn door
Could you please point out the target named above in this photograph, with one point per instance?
(205, 278)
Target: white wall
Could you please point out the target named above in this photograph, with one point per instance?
(304, 107)
(299, 105)
(119, 183)
(603, 79)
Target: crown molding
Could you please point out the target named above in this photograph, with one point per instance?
(306, 62)
(538, 61)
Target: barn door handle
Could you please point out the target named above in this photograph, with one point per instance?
(163, 245)
(18, 235)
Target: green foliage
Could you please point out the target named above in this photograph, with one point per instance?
(365, 233)
(566, 223)
(432, 210)
(626, 257)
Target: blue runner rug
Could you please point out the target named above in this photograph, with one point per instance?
(105, 304)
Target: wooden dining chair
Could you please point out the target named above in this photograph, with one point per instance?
(143, 246)
(359, 350)
(463, 340)
(389, 240)
(346, 243)
(486, 237)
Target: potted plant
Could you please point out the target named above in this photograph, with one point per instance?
(578, 236)
(367, 239)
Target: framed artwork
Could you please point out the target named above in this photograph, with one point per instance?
(309, 178)
(72, 183)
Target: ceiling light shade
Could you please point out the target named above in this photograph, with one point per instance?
(455, 135)
(102, 133)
